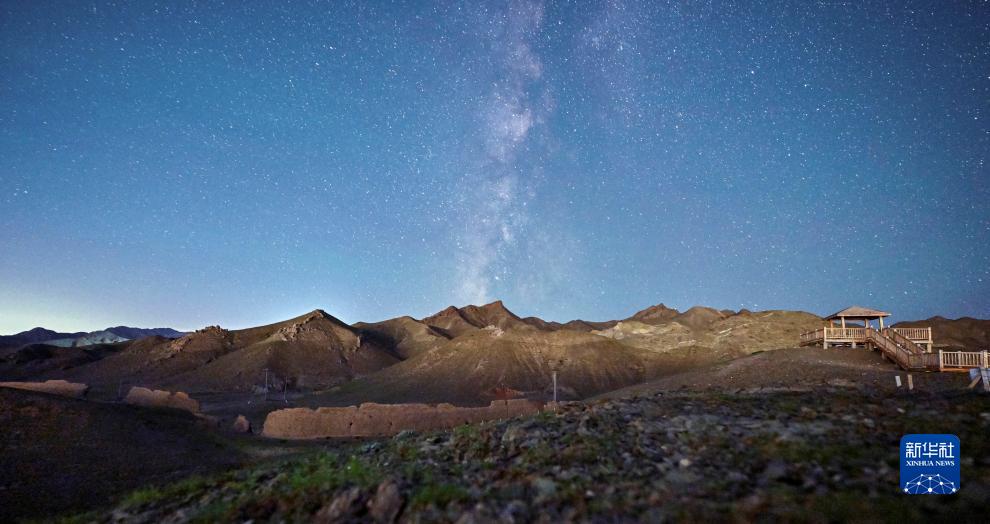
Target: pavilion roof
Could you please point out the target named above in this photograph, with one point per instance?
(858, 312)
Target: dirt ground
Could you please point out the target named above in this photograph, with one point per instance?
(800, 369)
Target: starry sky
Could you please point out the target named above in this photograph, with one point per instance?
(189, 163)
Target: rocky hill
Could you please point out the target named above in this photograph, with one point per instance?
(10, 343)
(722, 334)
(454, 321)
(405, 335)
(87, 339)
(966, 333)
(655, 314)
(469, 368)
(36, 360)
(132, 333)
(459, 354)
(311, 351)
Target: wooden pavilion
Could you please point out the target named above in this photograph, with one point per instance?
(851, 328)
(910, 348)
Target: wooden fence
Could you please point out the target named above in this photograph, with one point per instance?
(963, 359)
(915, 333)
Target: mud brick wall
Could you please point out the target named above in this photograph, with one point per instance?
(156, 398)
(54, 387)
(377, 420)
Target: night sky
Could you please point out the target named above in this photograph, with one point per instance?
(182, 164)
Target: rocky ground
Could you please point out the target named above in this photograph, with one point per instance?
(824, 455)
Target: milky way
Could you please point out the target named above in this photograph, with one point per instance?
(492, 193)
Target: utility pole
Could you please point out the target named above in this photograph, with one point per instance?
(555, 386)
(554, 368)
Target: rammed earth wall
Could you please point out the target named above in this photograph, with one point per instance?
(377, 420)
(161, 399)
(54, 387)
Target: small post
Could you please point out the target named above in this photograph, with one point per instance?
(941, 361)
(975, 375)
(910, 382)
(555, 386)
(986, 360)
(897, 379)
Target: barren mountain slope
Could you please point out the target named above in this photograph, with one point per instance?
(469, 368)
(405, 335)
(313, 350)
(450, 322)
(88, 339)
(151, 360)
(541, 324)
(726, 336)
(971, 334)
(454, 321)
(655, 314)
(493, 314)
(587, 325)
(10, 343)
(37, 359)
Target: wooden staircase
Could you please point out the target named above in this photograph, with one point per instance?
(902, 350)
(910, 348)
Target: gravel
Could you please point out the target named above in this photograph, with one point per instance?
(820, 456)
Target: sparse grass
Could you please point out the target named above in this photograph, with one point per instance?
(540, 455)
(471, 442)
(438, 495)
(325, 472)
(181, 489)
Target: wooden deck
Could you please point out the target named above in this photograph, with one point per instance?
(835, 336)
(910, 348)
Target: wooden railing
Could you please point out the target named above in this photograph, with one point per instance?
(963, 359)
(890, 348)
(846, 333)
(812, 336)
(915, 333)
(832, 333)
(904, 358)
(925, 361)
(902, 341)
(859, 334)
